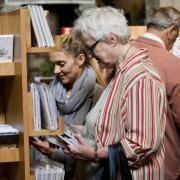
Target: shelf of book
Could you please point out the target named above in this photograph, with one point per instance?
(45, 132)
(7, 69)
(9, 155)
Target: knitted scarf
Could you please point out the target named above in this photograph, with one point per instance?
(75, 107)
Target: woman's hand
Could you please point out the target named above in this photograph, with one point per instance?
(43, 147)
(82, 151)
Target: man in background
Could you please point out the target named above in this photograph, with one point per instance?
(162, 30)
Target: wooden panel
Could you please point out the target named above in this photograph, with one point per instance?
(7, 69)
(4, 171)
(2, 110)
(32, 177)
(9, 155)
(2, 102)
(137, 31)
(42, 49)
(10, 24)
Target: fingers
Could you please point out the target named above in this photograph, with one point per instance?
(41, 144)
(79, 138)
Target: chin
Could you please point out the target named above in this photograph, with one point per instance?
(65, 82)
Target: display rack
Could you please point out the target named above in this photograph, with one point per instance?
(15, 100)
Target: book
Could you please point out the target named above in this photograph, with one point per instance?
(67, 138)
(6, 48)
(35, 27)
(48, 107)
(36, 107)
(45, 113)
(40, 25)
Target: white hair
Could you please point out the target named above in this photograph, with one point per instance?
(101, 22)
(163, 18)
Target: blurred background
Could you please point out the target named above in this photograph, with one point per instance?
(62, 13)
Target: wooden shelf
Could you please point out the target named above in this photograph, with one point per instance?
(32, 177)
(46, 132)
(7, 69)
(9, 155)
(42, 49)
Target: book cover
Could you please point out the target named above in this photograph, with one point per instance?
(6, 48)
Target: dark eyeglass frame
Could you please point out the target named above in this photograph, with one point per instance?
(90, 50)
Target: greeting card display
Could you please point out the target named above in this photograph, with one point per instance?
(6, 48)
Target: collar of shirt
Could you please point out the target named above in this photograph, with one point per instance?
(154, 37)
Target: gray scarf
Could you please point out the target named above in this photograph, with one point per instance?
(75, 108)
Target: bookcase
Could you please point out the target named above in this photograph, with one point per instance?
(15, 98)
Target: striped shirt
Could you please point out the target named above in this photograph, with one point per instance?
(134, 113)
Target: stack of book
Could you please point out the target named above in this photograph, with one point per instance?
(8, 136)
(44, 107)
(40, 25)
(49, 170)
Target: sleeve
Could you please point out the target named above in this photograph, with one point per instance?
(174, 100)
(144, 121)
(59, 156)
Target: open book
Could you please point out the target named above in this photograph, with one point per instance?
(65, 139)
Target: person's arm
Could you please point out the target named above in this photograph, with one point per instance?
(53, 153)
(144, 121)
(43, 147)
(174, 99)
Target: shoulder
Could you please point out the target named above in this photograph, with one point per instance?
(141, 69)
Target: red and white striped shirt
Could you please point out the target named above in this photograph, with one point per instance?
(134, 113)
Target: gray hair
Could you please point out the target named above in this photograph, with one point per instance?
(99, 23)
(163, 18)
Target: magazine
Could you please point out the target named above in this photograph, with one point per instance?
(68, 136)
(65, 139)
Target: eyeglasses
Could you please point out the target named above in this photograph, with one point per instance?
(90, 50)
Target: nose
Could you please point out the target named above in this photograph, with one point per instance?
(57, 69)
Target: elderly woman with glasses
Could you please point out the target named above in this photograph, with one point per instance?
(123, 133)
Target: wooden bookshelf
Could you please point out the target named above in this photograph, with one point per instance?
(7, 69)
(137, 31)
(9, 155)
(32, 177)
(45, 132)
(42, 49)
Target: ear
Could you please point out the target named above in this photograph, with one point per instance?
(113, 40)
(80, 59)
(169, 32)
